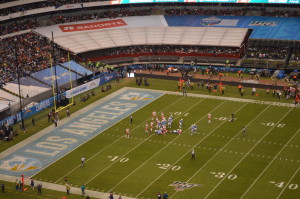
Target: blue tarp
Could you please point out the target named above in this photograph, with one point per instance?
(63, 75)
(283, 28)
(78, 68)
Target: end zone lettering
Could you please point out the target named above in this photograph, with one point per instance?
(92, 26)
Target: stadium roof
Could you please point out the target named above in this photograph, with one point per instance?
(110, 38)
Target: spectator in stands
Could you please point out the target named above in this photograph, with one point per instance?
(33, 55)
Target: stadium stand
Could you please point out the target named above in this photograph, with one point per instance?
(88, 13)
(33, 52)
(267, 52)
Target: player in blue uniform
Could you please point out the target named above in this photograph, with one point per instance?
(180, 123)
(170, 120)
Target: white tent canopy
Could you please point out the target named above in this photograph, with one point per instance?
(111, 38)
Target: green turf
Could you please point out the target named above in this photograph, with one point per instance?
(41, 117)
(130, 166)
(227, 163)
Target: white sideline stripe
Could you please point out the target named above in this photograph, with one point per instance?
(287, 184)
(75, 190)
(223, 147)
(269, 164)
(135, 147)
(223, 98)
(161, 149)
(188, 152)
(116, 139)
(248, 153)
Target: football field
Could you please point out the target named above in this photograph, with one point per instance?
(262, 162)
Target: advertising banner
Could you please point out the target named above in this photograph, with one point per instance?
(29, 112)
(83, 88)
(90, 85)
(92, 26)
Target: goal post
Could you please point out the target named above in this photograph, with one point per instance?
(58, 105)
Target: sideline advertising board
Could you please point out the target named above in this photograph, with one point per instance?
(90, 85)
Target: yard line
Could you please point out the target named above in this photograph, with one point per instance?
(225, 177)
(118, 138)
(187, 153)
(287, 184)
(138, 145)
(270, 164)
(223, 147)
(162, 149)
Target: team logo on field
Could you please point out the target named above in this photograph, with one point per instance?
(180, 186)
(136, 96)
(19, 163)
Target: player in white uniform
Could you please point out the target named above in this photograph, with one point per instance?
(146, 128)
(151, 126)
(127, 133)
(153, 115)
(162, 115)
(209, 117)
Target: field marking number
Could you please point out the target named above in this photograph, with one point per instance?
(167, 166)
(222, 175)
(281, 185)
(272, 124)
(116, 158)
(179, 113)
(225, 118)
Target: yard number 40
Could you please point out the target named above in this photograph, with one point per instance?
(282, 184)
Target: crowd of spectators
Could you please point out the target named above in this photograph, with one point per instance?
(41, 4)
(19, 25)
(6, 1)
(201, 11)
(33, 52)
(106, 14)
(267, 52)
(7, 133)
(32, 22)
(173, 49)
(280, 13)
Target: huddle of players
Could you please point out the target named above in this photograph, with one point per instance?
(162, 126)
